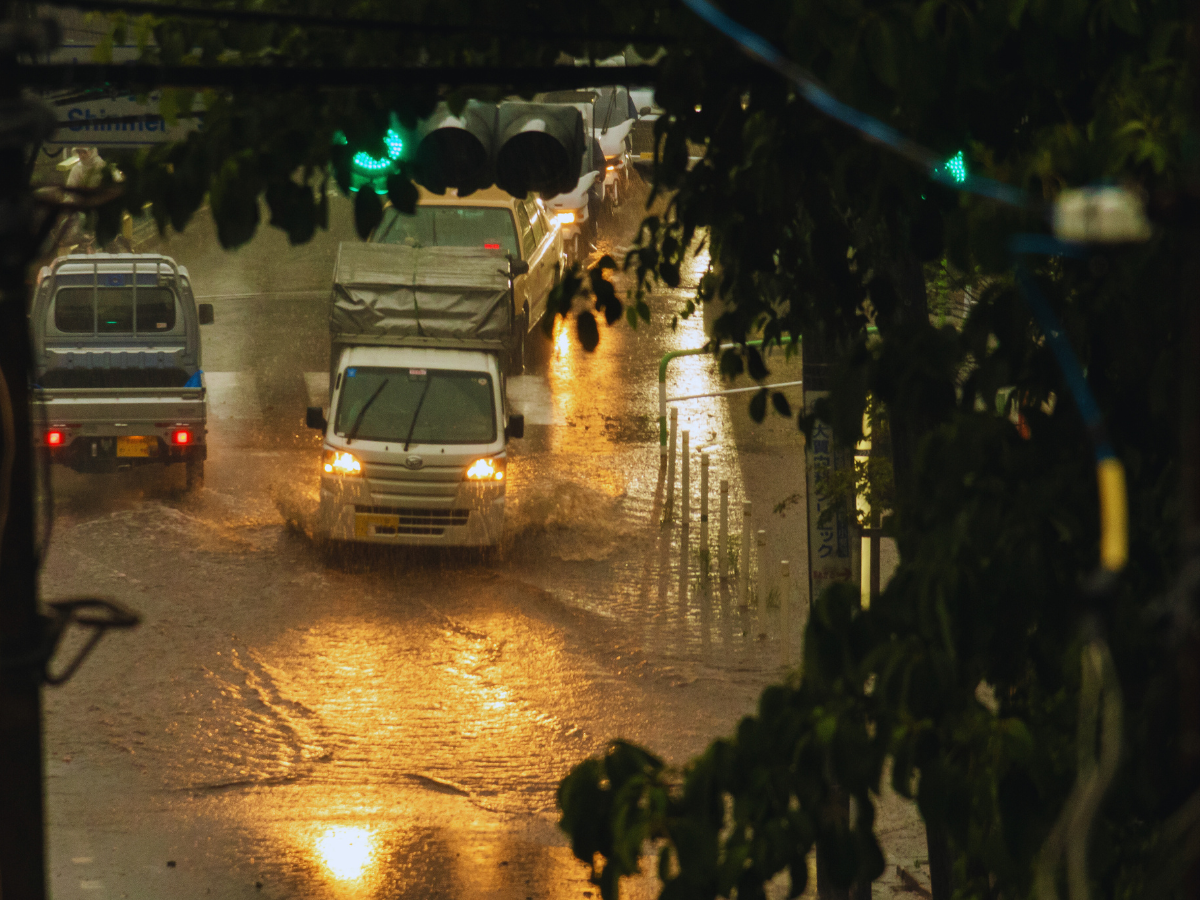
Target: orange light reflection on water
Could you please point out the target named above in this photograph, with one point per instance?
(347, 851)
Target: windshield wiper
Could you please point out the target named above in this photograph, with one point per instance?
(362, 412)
(412, 426)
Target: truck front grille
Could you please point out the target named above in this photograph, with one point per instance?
(417, 521)
(398, 487)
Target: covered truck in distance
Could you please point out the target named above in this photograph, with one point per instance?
(117, 378)
(415, 441)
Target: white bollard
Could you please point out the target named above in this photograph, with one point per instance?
(744, 561)
(705, 558)
(723, 532)
(785, 613)
(671, 458)
(760, 571)
(685, 480)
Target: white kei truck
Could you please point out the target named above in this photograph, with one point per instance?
(415, 441)
(117, 377)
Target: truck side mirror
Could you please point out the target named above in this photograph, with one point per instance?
(315, 418)
(515, 427)
(205, 312)
(517, 267)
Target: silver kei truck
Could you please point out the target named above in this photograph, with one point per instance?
(415, 443)
(118, 384)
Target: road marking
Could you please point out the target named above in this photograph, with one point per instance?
(92, 884)
(232, 395)
(81, 860)
(530, 396)
(317, 384)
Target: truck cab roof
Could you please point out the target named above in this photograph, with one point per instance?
(147, 265)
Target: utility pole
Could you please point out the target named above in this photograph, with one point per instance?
(23, 124)
(834, 550)
(1188, 600)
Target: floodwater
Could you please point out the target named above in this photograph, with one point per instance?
(391, 723)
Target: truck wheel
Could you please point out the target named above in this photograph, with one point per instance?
(194, 469)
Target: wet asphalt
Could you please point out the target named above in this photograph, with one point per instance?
(391, 723)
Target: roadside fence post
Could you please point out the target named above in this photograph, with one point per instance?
(723, 532)
(760, 570)
(685, 483)
(671, 459)
(705, 556)
(744, 557)
(785, 612)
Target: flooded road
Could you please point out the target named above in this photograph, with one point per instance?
(387, 723)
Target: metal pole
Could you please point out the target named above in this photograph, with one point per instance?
(705, 560)
(685, 480)
(662, 418)
(760, 572)
(785, 612)
(723, 532)
(662, 380)
(671, 458)
(744, 561)
(22, 824)
(874, 556)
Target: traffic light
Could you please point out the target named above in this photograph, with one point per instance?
(519, 147)
(955, 167)
(358, 168)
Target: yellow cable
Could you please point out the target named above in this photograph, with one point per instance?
(1114, 515)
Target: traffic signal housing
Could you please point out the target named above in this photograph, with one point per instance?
(519, 147)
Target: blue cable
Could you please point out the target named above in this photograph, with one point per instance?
(1064, 353)
(759, 48)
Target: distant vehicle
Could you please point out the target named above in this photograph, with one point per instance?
(489, 219)
(642, 142)
(117, 377)
(414, 448)
(642, 134)
(616, 116)
(576, 210)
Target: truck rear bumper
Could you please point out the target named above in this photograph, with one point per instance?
(479, 526)
(105, 453)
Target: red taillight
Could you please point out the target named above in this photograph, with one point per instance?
(181, 437)
(491, 246)
(54, 438)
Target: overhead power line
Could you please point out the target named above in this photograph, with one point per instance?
(757, 47)
(349, 23)
(64, 76)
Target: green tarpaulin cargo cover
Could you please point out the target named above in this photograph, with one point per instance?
(429, 295)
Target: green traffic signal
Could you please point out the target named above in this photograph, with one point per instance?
(365, 169)
(955, 167)
(366, 162)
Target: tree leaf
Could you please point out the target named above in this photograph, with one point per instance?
(368, 212)
(758, 406)
(758, 369)
(402, 193)
(586, 328)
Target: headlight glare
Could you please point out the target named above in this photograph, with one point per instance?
(486, 470)
(565, 218)
(339, 462)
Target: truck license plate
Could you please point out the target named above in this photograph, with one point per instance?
(138, 445)
(371, 524)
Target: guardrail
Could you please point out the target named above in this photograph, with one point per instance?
(663, 399)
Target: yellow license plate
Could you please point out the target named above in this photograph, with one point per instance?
(647, 154)
(369, 524)
(138, 445)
